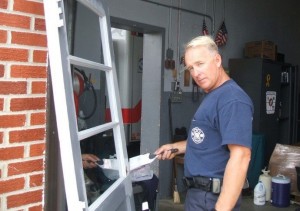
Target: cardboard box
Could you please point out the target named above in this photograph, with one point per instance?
(263, 49)
(283, 161)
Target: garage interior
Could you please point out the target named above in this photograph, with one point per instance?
(158, 97)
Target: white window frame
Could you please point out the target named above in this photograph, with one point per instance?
(119, 196)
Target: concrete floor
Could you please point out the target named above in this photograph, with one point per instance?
(247, 205)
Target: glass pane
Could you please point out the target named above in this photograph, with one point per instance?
(87, 38)
(101, 175)
(89, 90)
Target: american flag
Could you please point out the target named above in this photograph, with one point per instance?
(221, 37)
(204, 28)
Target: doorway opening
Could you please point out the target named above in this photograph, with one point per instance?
(128, 50)
(144, 80)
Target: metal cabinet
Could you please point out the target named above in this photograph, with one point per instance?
(261, 79)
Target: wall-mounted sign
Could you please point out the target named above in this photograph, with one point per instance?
(270, 102)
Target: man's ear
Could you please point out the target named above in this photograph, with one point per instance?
(218, 59)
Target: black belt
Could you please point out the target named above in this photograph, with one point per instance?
(204, 183)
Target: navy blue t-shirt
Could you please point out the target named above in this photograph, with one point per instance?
(224, 117)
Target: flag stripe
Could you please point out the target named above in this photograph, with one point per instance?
(222, 35)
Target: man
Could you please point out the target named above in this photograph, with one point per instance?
(218, 147)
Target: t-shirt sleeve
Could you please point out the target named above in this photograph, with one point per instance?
(235, 121)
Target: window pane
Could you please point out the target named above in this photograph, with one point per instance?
(89, 90)
(87, 37)
(98, 178)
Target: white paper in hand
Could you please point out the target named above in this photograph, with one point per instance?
(142, 173)
(139, 161)
(110, 164)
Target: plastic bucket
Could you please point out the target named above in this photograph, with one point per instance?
(281, 187)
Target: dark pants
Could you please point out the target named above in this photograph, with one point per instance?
(199, 200)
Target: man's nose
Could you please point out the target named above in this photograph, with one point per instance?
(196, 70)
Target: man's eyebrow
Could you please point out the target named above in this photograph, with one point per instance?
(188, 67)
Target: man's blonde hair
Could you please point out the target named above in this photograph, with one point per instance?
(206, 41)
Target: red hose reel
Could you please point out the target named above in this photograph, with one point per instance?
(78, 88)
(81, 84)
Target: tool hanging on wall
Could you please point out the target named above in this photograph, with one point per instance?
(176, 94)
(187, 75)
(169, 62)
(187, 78)
(176, 197)
(178, 33)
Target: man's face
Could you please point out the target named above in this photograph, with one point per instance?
(204, 67)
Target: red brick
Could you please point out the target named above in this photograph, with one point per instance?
(37, 150)
(19, 21)
(1, 70)
(3, 4)
(1, 137)
(36, 180)
(26, 135)
(11, 153)
(8, 121)
(1, 104)
(39, 24)
(29, 7)
(38, 118)
(40, 56)
(24, 198)
(25, 167)
(38, 87)
(11, 185)
(36, 208)
(13, 54)
(3, 36)
(9, 87)
(21, 71)
(25, 38)
(23, 104)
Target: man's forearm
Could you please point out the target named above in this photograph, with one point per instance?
(233, 181)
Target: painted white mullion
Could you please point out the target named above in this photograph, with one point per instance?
(114, 97)
(87, 63)
(95, 130)
(106, 41)
(107, 56)
(52, 12)
(118, 130)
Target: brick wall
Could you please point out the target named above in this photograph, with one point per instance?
(23, 81)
